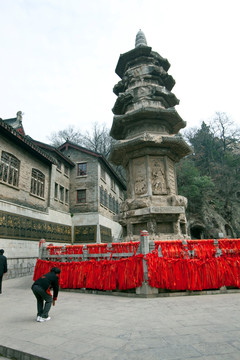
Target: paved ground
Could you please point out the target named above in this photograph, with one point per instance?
(92, 327)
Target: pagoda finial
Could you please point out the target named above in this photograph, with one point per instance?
(140, 39)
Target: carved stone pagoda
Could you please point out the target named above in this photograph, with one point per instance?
(146, 126)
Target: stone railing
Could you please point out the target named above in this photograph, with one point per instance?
(109, 252)
(169, 265)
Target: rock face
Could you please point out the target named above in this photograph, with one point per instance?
(146, 125)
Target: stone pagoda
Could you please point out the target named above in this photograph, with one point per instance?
(146, 126)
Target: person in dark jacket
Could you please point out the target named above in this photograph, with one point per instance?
(41, 289)
(3, 267)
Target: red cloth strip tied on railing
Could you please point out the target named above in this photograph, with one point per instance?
(196, 265)
(124, 247)
(176, 249)
(65, 249)
(120, 274)
(202, 249)
(97, 248)
(229, 247)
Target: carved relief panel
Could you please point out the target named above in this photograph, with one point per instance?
(158, 176)
(139, 176)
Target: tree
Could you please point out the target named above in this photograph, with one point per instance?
(98, 139)
(57, 138)
(217, 158)
(196, 188)
(206, 148)
(225, 130)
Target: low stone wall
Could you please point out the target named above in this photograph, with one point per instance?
(21, 266)
(21, 256)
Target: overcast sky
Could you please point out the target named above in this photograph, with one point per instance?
(58, 57)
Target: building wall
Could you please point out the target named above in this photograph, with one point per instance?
(111, 189)
(21, 194)
(21, 256)
(60, 184)
(88, 182)
(22, 253)
(26, 218)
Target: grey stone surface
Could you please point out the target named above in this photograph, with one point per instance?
(88, 326)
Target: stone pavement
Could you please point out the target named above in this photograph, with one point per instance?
(92, 327)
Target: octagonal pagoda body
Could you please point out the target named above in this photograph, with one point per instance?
(146, 126)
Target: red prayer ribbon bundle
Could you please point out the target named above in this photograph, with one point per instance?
(183, 265)
(194, 266)
(124, 247)
(120, 274)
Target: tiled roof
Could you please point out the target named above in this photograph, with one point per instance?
(24, 141)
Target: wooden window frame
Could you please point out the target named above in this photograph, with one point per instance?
(82, 172)
(83, 191)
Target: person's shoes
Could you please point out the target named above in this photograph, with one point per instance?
(44, 319)
(38, 318)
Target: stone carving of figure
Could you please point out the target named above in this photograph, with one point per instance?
(158, 179)
(140, 185)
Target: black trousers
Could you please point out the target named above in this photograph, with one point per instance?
(44, 301)
(1, 276)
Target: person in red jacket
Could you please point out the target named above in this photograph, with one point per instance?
(41, 289)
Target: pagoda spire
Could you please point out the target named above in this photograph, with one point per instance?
(140, 39)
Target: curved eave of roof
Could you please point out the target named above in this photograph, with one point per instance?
(54, 150)
(24, 142)
(96, 154)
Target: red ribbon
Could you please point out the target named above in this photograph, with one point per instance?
(189, 265)
(120, 274)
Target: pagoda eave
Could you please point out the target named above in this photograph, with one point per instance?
(131, 55)
(149, 144)
(122, 123)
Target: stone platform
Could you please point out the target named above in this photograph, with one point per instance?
(90, 327)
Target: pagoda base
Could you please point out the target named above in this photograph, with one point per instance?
(162, 223)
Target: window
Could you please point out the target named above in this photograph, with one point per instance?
(66, 196)
(101, 195)
(61, 191)
(114, 205)
(81, 196)
(105, 203)
(37, 183)
(103, 174)
(110, 202)
(82, 169)
(9, 169)
(56, 191)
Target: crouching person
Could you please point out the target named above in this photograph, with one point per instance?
(41, 289)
